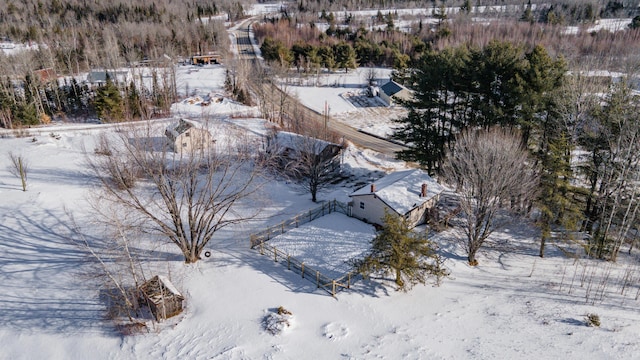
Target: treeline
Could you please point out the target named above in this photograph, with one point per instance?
(506, 85)
(295, 38)
(306, 47)
(30, 101)
(571, 11)
(75, 36)
(71, 37)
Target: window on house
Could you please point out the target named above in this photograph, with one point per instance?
(187, 134)
(361, 205)
(184, 144)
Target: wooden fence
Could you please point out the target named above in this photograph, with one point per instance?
(300, 219)
(259, 241)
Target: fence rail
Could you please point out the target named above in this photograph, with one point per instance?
(331, 285)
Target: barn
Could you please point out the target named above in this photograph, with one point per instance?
(408, 193)
(184, 136)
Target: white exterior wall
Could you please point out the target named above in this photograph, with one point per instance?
(385, 97)
(196, 139)
(373, 211)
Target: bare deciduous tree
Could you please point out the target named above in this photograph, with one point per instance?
(186, 197)
(492, 173)
(114, 267)
(312, 162)
(20, 168)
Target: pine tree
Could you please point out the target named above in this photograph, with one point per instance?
(406, 254)
(555, 202)
(108, 102)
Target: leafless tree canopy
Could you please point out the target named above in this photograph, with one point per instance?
(491, 173)
(311, 162)
(184, 197)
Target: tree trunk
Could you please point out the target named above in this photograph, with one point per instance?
(472, 258)
(543, 240)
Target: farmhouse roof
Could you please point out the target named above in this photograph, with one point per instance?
(287, 140)
(391, 88)
(179, 127)
(401, 190)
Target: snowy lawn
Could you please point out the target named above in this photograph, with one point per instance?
(327, 244)
(514, 305)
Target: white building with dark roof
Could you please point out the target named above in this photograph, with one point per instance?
(392, 92)
(408, 193)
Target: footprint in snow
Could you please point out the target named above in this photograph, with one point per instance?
(334, 331)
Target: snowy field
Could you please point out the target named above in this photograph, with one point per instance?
(514, 305)
(343, 95)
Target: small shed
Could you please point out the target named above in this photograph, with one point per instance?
(408, 193)
(210, 58)
(163, 298)
(184, 136)
(46, 75)
(392, 92)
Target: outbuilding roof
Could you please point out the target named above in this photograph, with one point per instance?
(287, 140)
(391, 88)
(401, 190)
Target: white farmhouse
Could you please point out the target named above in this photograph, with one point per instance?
(408, 193)
(185, 137)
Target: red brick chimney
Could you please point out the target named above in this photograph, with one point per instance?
(373, 188)
(423, 190)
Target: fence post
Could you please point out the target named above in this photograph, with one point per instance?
(282, 228)
(302, 269)
(262, 247)
(288, 262)
(296, 220)
(317, 278)
(275, 254)
(333, 288)
(349, 280)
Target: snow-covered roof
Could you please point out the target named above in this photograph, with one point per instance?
(179, 127)
(401, 190)
(168, 285)
(287, 140)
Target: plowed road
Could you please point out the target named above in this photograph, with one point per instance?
(246, 52)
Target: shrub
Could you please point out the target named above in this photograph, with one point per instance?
(592, 320)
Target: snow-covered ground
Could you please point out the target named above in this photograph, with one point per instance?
(514, 305)
(343, 96)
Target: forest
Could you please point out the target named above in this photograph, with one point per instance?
(73, 37)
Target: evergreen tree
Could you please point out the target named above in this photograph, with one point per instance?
(400, 251)
(541, 78)
(108, 102)
(345, 56)
(556, 203)
(134, 102)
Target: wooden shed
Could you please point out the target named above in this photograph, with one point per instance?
(163, 298)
